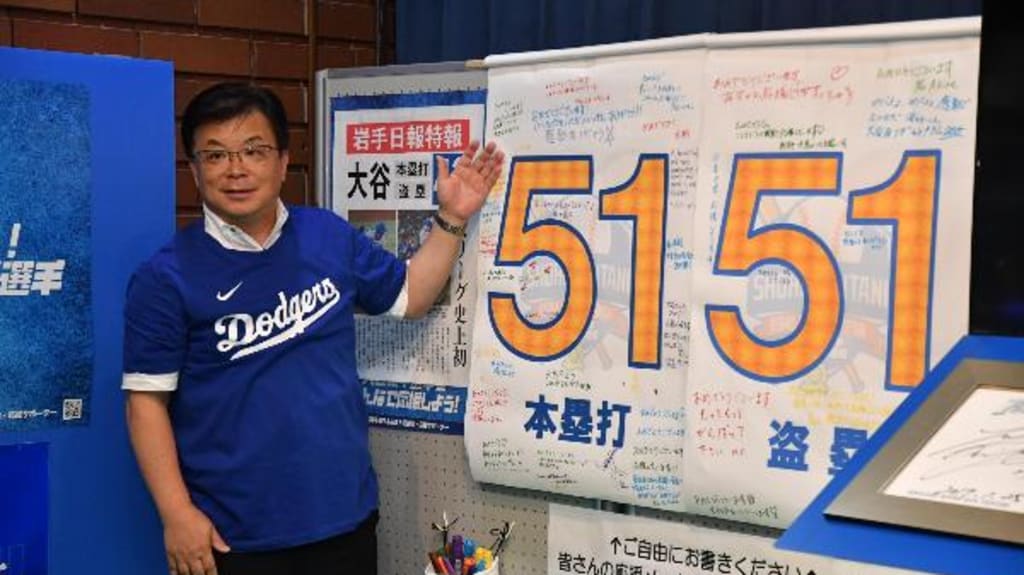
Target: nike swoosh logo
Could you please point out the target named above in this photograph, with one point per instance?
(227, 296)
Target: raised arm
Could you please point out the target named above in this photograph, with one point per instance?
(460, 194)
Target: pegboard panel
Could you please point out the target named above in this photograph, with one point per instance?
(422, 475)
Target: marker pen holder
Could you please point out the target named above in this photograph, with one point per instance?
(429, 570)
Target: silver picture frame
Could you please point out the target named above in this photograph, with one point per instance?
(951, 467)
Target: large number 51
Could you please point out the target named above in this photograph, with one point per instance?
(906, 203)
(641, 200)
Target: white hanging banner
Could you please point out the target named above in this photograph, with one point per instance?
(716, 266)
(580, 346)
(832, 258)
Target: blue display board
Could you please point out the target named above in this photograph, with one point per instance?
(932, 552)
(103, 126)
(23, 503)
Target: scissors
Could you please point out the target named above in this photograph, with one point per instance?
(444, 527)
(502, 534)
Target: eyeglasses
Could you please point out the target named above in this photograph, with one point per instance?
(251, 154)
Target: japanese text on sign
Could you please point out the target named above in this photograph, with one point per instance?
(23, 277)
(400, 137)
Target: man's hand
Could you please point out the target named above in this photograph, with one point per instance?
(190, 538)
(462, 192)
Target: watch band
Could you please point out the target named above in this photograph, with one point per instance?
(458, 231)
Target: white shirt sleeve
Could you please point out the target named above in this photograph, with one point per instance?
(401, 302)
(149, 382)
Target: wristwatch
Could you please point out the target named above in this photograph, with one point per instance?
(458, 231)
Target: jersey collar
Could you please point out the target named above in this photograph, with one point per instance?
(234, 238)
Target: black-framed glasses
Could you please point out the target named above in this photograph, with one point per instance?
(252, 154)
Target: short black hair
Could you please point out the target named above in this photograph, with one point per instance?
(227, 100)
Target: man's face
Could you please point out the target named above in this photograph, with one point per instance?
(239, 171)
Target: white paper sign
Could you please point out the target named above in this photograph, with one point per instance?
(384, 157)
(593, 542)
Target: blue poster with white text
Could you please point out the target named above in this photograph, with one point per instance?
(46, 341)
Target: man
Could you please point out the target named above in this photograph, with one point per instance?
(243, 404)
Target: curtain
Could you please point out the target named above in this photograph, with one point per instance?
(445, 30)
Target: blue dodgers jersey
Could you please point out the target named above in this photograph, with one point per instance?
(269, 416)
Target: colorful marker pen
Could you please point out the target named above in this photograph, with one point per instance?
(457, 553)
(439, 568)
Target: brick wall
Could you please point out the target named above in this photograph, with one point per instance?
(276, 43)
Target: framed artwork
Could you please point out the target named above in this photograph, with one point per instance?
(956, 465)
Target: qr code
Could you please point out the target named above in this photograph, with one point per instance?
(72, 409)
